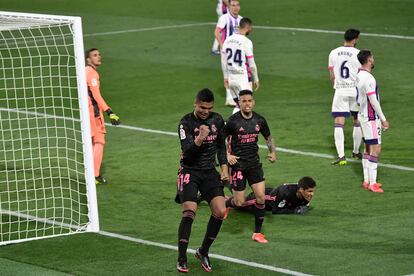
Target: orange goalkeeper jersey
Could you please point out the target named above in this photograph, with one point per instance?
(96, 103)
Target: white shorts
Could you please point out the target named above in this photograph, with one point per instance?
(343, 105)
(235, 86)
(371, 131)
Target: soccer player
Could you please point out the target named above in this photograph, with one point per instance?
(201, 136)
(228, 25)
(372, 120)
(242, 131)
(343, 67)
(290, 198)
(238, 61)
(97, 105)
(221, 9)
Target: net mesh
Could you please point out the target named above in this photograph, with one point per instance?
(42, 173)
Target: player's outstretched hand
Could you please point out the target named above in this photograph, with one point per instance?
(301, 210)
(232, 159)
(257, 85)
(113, 117)
(271, 157)
(385, 125)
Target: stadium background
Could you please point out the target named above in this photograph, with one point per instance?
(149, 78)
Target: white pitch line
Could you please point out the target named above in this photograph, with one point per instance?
(169, 133)
(280, 28)
(215, 256)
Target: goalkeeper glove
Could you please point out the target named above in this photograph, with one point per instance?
(113, 117)
(301, 210)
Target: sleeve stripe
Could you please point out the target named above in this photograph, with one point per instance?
(330, 67)
(249, 56)
(371, 93)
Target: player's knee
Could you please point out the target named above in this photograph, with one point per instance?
(219, 213)
(260, 199)
(189, 214)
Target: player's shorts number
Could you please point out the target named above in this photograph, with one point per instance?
(344, 70)
(237, 58)
(182, 180)
(237, 175)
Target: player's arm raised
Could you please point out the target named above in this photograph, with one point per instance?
(189, 146)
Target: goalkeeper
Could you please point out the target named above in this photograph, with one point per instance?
(97, 106)
(287, 198)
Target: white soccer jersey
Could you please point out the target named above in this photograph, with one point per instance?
(236, 50)
(344, 62)
(228, 24)
(366, 85)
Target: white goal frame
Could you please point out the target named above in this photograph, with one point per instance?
(93, 224)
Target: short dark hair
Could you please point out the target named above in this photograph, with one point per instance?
(89, 51)
(306, 182)
(245, 92)
(244, 22)
(363, 56)
(205, 95)
(351, 34)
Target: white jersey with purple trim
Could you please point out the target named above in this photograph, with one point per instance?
(229, 25)
(344, 62)
(236, 50)
(221, 8)
(366, 85)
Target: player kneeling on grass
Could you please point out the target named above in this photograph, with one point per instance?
(290, 198)
(97, 105)
(242, 131)
(202, 140)
(372, 120)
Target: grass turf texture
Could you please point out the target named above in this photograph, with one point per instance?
(150, 78)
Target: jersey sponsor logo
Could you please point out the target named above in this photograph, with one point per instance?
(94, 82)
(182, 132)
(213, 128)
(257, 128)
(282, 204)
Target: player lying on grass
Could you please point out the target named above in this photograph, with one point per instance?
(291, 198)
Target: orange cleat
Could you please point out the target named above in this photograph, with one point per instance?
(376, 188)
(226, 214)
(259, 237)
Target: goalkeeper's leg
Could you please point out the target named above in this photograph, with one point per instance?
(98, 148)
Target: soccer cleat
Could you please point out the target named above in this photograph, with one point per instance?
(259, 237)
(376, 188)
(226, 213)
(357, 155)
(205, 261)
(182, 266)
(215, 52)
(100, 180)
(340, 161)
(365, 185)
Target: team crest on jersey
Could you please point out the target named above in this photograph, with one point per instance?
(94, 82)
(182, 132)
(241, 129)
(213, 128)
(257, 128)
(282, 204)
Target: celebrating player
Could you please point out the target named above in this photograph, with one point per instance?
(228, 25)
(372, 120)
(343, 67)
(290, 198)
(96, 106)
(242, 130)
(238, 61)
(201, 138)
(221, 9)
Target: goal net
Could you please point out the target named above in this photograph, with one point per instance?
(47, 185)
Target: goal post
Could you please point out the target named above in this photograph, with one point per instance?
(47, 184)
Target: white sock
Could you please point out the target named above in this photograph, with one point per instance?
(357, 136)
(339, 139)
(215, 45)
(365, 167)
(373, 165)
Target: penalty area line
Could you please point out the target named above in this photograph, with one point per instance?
(215, 256)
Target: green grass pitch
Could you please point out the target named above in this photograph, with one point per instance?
(149, 78)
